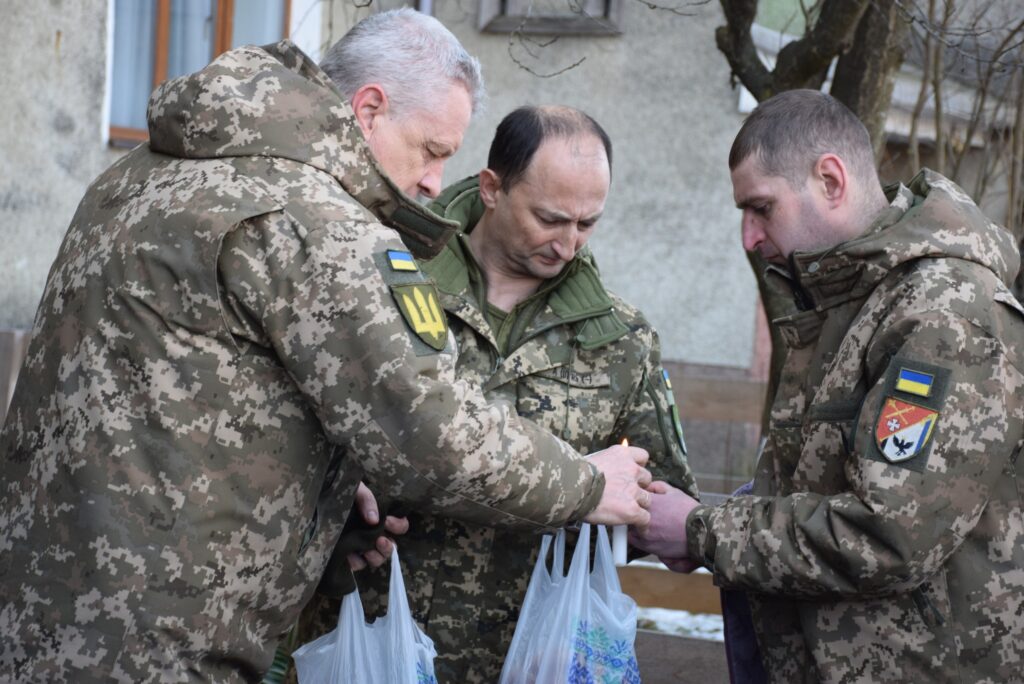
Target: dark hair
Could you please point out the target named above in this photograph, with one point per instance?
(790, 131)
(521, 133)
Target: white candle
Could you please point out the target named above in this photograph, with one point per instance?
(619, 536)
(619, 544)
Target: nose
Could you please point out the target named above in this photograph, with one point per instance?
(565, 245)
(430, 183)
(752, 232)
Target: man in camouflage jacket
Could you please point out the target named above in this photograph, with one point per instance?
(567, 354)
(229, 340)
(884, 538)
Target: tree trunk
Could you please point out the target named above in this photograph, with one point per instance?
(866, 74)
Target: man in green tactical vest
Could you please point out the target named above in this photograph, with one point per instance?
(534, 326)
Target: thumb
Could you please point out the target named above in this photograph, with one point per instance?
(367, 504)
(658, 487)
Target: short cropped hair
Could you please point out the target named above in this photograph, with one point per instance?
(410, 54)
(521, 133)
(787, 134)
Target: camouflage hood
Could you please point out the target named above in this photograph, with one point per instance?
(930, 218)
(228, 110)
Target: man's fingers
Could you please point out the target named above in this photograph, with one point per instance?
(374, 559)
(686, 565)
(659, 487)
(367, 504)
(640, 518)
(396, 525)
(355, 561)
(639, 456)
(644, 477)
(384, 546)
(643, 498)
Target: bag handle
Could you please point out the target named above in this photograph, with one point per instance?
(604, 578)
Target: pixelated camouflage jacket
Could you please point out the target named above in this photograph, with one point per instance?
(584, 365)
(218, 358)
(884, 541)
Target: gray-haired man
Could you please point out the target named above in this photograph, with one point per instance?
(231, 338)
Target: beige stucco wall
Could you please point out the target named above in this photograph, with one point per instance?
(669, 242)
(51, 136)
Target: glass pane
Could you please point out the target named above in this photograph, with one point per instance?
(191, 40)
(257, 22)
(134, 26)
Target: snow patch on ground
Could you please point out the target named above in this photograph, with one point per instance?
(681, 623)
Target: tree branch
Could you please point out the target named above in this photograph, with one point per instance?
(804, 62)
(735, 42)
(866, 74)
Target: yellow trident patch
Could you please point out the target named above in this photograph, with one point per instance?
(421, 309)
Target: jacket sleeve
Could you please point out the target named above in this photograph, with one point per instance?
(898, 522)
(321, 300)
(651, 418)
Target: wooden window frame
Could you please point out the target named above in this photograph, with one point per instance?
(224, 10)
(495, 17)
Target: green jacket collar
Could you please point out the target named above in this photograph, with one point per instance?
(577, 296)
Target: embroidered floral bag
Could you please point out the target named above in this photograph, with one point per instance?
(575, 627)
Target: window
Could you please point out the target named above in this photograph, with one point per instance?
(159, 39)
(580, 17)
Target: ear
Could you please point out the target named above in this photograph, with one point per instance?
(490, 186)
(832, 178)
(370, 103)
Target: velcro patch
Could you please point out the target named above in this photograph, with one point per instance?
(914, 393)
(421, 309)
(903, 429)
(915, 382)
(400, 260)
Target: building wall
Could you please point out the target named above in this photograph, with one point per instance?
(669, 240)
(51, 135)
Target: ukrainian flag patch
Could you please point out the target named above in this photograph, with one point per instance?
(400, 260)
(914, 382)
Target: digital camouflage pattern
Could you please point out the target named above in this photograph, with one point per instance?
(864, 567)
(216, 362)
(586, 366)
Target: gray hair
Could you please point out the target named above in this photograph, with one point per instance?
(789, 132)
(412, 55)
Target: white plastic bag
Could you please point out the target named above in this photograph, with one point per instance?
(391, 650)
(574, 628)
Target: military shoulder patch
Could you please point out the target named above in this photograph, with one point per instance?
(421, 309)
(914, 393)
(915, 382)
(400, 260)
(903, 429)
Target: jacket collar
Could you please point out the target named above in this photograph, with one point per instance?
(577, 297)
(274, 101)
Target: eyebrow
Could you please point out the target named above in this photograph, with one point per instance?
(559, 216)
(748, 202)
